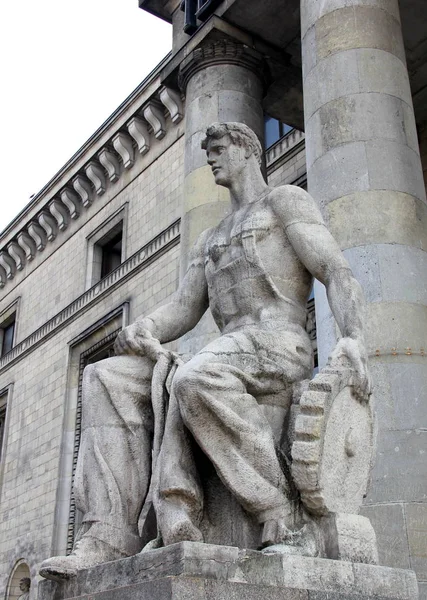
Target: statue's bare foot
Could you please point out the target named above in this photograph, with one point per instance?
(278, 539)
(87, 552)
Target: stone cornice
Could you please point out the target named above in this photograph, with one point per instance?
(284, 149)
(224, 51)
(148, 113)
(161, 243)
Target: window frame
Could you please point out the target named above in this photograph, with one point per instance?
(6, 393)
(9, 316)
(118, 221)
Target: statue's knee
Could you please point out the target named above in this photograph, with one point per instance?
(186, 384)
(96, 372)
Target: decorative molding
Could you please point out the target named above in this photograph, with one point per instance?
(17, 254)
(3, 277)
(110, 163)
(96, 175)
(156, 247)
(59, 211)
(172, 101)
(139, 131)
(106, 342)
(49, 225)
(154, 115)
(27, 244)
(71, 202)
(38, 234)
(82, 189)
(8, 264)
(123, 145)
(225, 51)
(293, 140)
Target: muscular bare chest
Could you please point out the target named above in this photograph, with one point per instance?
(255, 226)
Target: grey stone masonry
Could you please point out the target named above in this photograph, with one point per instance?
(364, 169)
(195, 571)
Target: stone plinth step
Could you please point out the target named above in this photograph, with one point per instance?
(195, 571)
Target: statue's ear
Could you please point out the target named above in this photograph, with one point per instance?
(248, 151)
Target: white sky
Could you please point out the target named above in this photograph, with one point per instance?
(65, 66)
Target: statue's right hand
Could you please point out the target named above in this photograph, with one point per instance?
(137, 340)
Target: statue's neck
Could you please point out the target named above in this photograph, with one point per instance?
(248, 188)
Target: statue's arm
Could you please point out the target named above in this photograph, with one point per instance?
(177, 317)
(321, 255)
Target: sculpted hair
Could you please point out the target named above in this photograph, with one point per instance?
(239, 133)
(25, 581)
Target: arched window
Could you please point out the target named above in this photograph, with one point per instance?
(21, 572)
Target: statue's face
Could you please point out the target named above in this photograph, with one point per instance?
(226, 159)
(23, 586)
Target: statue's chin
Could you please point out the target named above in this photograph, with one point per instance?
(222, 181)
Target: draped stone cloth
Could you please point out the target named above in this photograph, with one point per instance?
(140, 420)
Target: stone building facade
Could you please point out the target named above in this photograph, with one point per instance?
(106, 239)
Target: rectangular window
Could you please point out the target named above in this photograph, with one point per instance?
(274, 130)
(111, 251)
(106, 249)
(7, 334)
(3, 404)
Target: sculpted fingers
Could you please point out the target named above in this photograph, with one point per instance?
(126, 342)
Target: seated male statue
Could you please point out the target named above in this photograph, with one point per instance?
(255, 271)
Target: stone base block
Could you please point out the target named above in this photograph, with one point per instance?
(194, 571)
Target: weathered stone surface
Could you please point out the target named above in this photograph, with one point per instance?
(182, 426)
(389, 525)
(312, 11)
(358, 26)
(364, 169)
(395, 166)
(402, 451)
(378, 217)
(416, 520)
(200, 571)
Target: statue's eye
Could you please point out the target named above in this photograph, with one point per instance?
(221, 149)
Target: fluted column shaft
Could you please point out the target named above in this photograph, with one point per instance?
(364, 169)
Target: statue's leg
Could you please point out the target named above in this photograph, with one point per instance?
(216, 393)
(179, 497)
(114, 463)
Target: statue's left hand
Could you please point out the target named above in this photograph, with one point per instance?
(353, 351)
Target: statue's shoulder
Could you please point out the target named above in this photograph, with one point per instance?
(198, 249)
(294, 205)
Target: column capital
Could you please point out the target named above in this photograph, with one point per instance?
(223, 51)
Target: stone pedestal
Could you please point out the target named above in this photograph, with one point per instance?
(193, 571)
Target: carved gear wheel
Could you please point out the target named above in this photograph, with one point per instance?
(333, 445)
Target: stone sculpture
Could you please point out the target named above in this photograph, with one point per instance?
(282, 445)
(24, 586)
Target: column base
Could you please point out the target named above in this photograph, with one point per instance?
(196, 571)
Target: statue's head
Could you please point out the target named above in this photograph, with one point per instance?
(229, 147)
(24, 584)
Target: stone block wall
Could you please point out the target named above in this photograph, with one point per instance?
(57, 275)
(40, 415)
(37, 411)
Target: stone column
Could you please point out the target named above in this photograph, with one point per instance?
(364, 169)
(222, 81)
